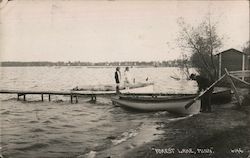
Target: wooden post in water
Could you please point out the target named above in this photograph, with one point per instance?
(71, 98)
(24, 97)
(49, 97)
(76, 98)
(18, 96)
(42, 96)
(93, 98)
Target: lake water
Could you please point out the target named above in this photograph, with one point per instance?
(60, 129)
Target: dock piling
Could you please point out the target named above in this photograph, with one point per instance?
(93, 98)
(71, 98)
(42, 96)
(49, 97)
(76, 98)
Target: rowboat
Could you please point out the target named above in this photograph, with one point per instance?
(145, 89)
(111, 87)
(174, 103)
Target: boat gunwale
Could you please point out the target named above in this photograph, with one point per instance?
(155, 99)
(126, 105)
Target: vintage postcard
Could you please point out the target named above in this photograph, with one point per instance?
(124, 79)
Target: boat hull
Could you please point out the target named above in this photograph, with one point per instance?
(176, 106)
(111, 87)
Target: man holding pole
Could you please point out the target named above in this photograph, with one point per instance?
(203, 84)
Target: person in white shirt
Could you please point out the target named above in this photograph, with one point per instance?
(127, 78)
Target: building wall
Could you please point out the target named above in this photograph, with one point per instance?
(231, 60)
(247, 62)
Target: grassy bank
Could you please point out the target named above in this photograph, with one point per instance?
(224, 133)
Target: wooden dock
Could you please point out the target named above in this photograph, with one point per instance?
(72, 94)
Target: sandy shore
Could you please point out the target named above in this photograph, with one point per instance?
(145, 133)
(224, 133)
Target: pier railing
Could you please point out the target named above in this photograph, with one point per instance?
(241, 74)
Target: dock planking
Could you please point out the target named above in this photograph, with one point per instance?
(72, 94)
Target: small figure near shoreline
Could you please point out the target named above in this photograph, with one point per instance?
(117, 79)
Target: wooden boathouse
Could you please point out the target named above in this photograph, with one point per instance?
(234, 61)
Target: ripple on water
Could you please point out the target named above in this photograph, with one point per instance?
(7, 112)
(47, 122)
(37, 130)
(55, 141)
(38, 110)
(81, 114)
(33, 121)
(17, 114)
(95, 120)
(53, 127)
(21, 142)
(9, 99)
(69, 126)
(125, 136)
(107, 125)
(77, 110)
(35, 146)
(78, 132)
(54, 118)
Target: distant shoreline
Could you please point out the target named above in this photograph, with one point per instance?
(91, 67)
(96, 67)
(172, 63)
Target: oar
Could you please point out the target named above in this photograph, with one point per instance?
(241, 81)
(175, 78)
(201, 94)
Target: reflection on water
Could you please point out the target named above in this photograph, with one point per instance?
(60, 129)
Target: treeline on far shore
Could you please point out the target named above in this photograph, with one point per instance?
(172, 63)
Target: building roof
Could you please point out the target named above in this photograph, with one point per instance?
(231, 49)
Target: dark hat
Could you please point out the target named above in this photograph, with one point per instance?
(192, 76)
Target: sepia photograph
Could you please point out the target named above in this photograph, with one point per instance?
(124, 79)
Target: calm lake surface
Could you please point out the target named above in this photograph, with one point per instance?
(60, 129)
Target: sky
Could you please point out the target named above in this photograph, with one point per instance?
(117, 30)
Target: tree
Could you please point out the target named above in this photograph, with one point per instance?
(203, 42)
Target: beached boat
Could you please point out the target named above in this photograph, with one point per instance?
(174, 103)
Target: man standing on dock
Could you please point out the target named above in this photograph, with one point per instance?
(117, 79)
(203, 84)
